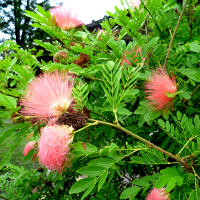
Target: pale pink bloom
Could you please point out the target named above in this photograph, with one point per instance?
(136, 3)
(29, 146)
(81, 177)
(48, 96)
(158, 194)
(135, 51)
(53, 146)
(64, 18)
(100, 33)
(159, 87)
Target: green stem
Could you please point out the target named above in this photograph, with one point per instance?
(194, 172)
(190, 139)
(195, 90)
(180, 160)
(20, 116)
(92, 124)
(116, 118)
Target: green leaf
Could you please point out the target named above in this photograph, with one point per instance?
(167, 126)
(91, 170)
(81, 185)
(123, 111)
(192, 195)
(55, 66)
(179, 180)
(9, 132)
(186, 95)
(102, 162)
(102, 180)
(81, 34)
(87, 192)
(83, 148)
(48, 46)
(161, 123)
(162, 181)
(110, 65)
(140, 182)
(193, 74)
(193, 46)
(76, 70)
(8, 102)
(130, 192)
(171, 184)
(179, 115)
(170, 172)
(137, 160)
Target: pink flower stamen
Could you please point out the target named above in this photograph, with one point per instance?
(29, 146)
(158, 87)
(53, 146)
(158, 194)
(48, 96)
(64, 18)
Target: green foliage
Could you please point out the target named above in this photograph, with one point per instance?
(80, 92)
(106, 160)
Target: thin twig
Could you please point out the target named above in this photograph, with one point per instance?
(195, 90)
(85, 127)
(195, 173)
(152, 18)
(173, 36)
(190, 139)
(180, 160)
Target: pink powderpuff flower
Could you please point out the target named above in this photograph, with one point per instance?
(53, 146)
(28, 147)
(64, 19)
(81, 177)
(158, 194)
(48, 96)
(136, 3)
(159, 88)
(100, 34)
(136, 51)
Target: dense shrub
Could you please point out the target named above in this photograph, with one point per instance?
(130, 107)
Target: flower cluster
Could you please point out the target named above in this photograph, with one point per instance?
(47, 98)
(135, 53)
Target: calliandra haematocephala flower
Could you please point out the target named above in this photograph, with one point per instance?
(64, 18)
(160, 89)
(134, 54)
(53, 146)
(100, 34)
(48, 96)
(28, 147)
(158, 194)
(135, 3)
